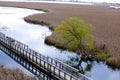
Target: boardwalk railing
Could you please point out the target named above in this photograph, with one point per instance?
(52, 67)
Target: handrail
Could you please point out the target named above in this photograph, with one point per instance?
(36, 57)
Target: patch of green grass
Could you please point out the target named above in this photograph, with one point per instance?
(102, 56)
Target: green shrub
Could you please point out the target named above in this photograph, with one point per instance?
(102, 56)
(76, 35)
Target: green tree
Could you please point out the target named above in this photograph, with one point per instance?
(75, 35)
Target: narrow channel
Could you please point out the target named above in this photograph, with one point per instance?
(13, 25)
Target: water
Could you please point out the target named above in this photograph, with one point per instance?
(102, 1)
(13, 25)
(115, 7)
(98, 1)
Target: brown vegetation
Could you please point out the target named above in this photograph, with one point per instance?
(106, 21)
(12, 74)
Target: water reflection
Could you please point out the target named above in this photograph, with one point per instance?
(10, 63)
(83, 66)
(95, 69)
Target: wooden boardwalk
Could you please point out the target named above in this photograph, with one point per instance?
(37, 63)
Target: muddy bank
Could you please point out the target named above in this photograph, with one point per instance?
(106, 21)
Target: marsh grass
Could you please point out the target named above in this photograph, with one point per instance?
(12, 74)
(114, 62)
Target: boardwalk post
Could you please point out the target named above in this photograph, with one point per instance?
(40, 62)
(36, 60)
(59, 73)
(54, 70)
(50, 67)
(44, 64)
(64, 76)
(40, 78)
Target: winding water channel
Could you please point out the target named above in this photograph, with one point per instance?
(13, 25)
